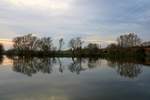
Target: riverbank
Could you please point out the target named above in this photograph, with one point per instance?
(115, 52)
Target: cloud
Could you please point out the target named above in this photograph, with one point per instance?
(73, 18)
(48, 5)
(97, 39)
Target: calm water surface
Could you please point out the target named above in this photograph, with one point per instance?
(73, 79)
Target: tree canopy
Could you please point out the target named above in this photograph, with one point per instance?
(30, 42)
(128, 40)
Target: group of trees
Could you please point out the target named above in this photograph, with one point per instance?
(126, 40)
(32, 43)
(93, 46)
(76, 45)
(45, 45)
(128, 45)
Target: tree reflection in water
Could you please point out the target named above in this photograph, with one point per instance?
(61, 67)
(93, 63)
(76, 65)
(1, 59)
(30, 66)
(126, 69)
(129, 70)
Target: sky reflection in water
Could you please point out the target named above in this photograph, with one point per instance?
(73, 79)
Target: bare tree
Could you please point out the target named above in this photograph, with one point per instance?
(46, 44)
(76, 44)
(32, 43)
(61, 43)
(128, 40)
(92, 48)
(24, 42)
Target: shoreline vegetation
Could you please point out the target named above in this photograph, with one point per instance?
(127, 46)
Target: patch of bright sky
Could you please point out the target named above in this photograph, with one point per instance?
(93, 20)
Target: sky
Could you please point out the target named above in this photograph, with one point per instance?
(98, 21)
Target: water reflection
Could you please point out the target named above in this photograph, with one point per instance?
(129, 70)
(1, 59)
(30, 66)
(93, 63)
(33, 65)
(76, 65)
(61, 66)
(126, 69)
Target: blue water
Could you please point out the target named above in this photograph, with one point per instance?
(78, 79)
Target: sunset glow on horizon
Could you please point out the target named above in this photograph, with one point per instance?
(7, 43)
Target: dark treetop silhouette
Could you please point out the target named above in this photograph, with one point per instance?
(128, 45)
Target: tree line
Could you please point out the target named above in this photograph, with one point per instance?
(32, 45)
(126, 41)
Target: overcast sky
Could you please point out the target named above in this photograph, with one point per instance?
(93, 20)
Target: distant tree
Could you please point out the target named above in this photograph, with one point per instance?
(128, 40)
(72, 44)
(76, 44)
(61, 43)
(32, 43)
(1, 48)
(45, 44)
(93, 48)
(25, 42)
(112, 46)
